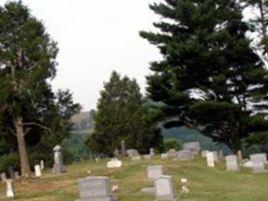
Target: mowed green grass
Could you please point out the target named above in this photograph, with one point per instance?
(205, 184)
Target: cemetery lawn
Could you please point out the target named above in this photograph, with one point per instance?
(206, 184)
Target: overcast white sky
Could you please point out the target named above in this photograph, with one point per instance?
(94, 38)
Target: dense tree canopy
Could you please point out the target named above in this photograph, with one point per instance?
(121, 116)
(31, 114)
(209, 78)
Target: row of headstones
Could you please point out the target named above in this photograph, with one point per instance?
(99, 188)
(14, 175)
(163, 186)
(257, 161)
(58, 167)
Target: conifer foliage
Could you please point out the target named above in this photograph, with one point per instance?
(209, 78)
(122, 116)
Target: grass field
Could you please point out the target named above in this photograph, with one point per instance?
(206, 184)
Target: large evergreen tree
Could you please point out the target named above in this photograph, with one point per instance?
(121, 116)
(209, 78)
(30, 111)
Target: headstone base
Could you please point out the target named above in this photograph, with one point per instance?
(58, 169)
(103, 198)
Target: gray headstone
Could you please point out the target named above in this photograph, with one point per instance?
(58, 166)
(193, 147)
(95, 189)
(258, 163)
(132, 152)
(116, 153)
(136, 158)
(184, 155)
(172, 153)
(231, 163)
(215, 155)
(123, 148)
(154, 172)
(164, 189)
(17, 175)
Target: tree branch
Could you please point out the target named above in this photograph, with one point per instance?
(36, 124)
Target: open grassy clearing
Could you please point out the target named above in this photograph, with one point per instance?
(206, 184)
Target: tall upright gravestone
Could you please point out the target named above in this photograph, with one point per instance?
(58, 166)
(123, 148)
(95, 189)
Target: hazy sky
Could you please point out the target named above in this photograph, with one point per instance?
(94, 38)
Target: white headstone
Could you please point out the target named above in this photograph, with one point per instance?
(58, 166)
(258, 163)
(3, 177)
(154, 172)
(152, 151)
(164, 189)
(164, 156)
(204, 153)
(114, 164)
(37, 171)
(231, 163)
(210, 159)
(10, 192)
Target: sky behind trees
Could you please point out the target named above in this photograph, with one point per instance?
(95, 38)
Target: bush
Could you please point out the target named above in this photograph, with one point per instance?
(172, 144)
(9, 160)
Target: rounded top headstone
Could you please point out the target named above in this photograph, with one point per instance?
(57, 148)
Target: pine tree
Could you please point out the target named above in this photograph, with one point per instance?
(29, 108)
(121, 116)
(209, 78)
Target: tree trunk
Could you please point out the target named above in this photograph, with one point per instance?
(24, 162)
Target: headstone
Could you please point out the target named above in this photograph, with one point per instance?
(132, 152)
(172, 153)
(152, 151)
(221, 154)
(164, 156)
(116, 153)
(215, 156)
(239, 155)
(115, 163)
(258, 163)
(123, 148)
(136, 158)
(37, 171)
(149, 156)
(58, 166)
(248, 164)
(164, 189)
(42, 165)
(10, 192)
(210, 159)
(95, 189)
(154, 172)
(3, 177)
(148, 190)
(204, 153)
(231, 163)
(193, 147)
(184, 155)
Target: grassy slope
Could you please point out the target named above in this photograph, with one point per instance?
(205, 184)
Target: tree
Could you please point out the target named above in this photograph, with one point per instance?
(121, 116)
(209, 78)
(29, 109)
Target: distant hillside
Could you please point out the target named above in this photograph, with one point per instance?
(188, 135)
(84, 120)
